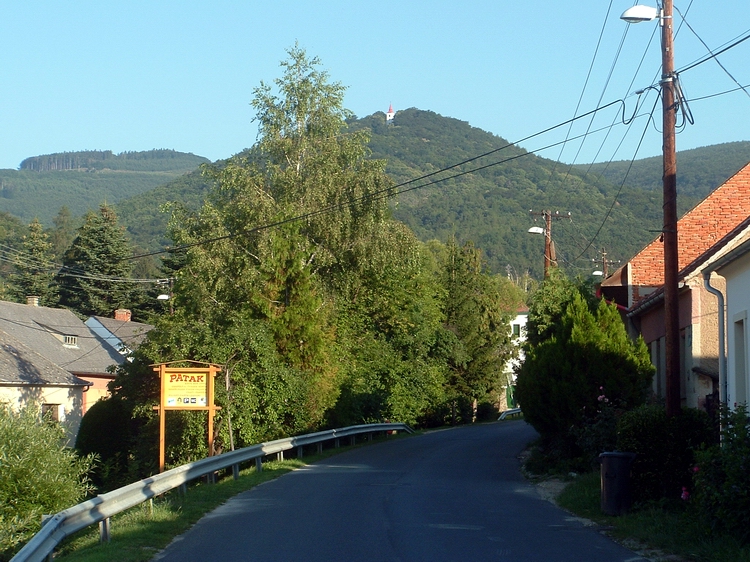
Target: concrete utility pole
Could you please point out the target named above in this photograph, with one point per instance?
(669, 232)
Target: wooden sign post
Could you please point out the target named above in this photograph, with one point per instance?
(186, 388)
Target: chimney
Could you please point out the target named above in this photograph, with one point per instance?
(32, 301)
(122, 314)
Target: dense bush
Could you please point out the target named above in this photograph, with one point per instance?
(598, 433)
(587, 355)
(38, 475)
(665, 447)
(722, 481)
(105, 432)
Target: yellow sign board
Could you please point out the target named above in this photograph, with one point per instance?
(185, 389)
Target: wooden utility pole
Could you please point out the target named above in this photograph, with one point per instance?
(605, 262)
(550, 255)
(669, 232)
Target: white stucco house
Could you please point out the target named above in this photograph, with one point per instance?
(518, 333)
(734, 267)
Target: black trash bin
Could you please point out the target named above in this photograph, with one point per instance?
(615, 474)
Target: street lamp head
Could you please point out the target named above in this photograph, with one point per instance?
(536, 230)
(162, 298)
(640, 13)
(598, 273)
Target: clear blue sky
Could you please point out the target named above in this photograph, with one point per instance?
(174, 74)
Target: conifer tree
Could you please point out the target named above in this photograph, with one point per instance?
(34, 273)
(62, 235)
(96, 272)
(478, 310)
(587, 356)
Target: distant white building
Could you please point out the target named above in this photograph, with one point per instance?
(390, 114)
(518, 333)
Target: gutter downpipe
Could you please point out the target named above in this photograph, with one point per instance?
(722, 337)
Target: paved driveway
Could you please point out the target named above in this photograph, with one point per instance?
(453, 495)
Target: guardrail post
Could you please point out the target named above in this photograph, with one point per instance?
(183, 489)
(300, 452)
(236, 471)
(280, 456)
(370, 437)
(258, 464)
(104, 530)
(320, 447)
(353, 440)
(337, 443)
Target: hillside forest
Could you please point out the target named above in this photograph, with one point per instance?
(489, 207)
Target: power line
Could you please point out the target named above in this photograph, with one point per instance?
(711, 52)
(22, 259)
(622, 184)
(717, 53)
(392, 191)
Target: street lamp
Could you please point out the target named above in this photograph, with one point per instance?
(550, 258)
(165, 296)
(638, 14)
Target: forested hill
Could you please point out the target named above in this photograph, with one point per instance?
(699, 171)
(157, 160)
(83, 180)
(491, 206)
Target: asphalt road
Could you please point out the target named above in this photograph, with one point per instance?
(446, 495)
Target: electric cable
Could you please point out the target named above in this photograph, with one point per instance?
(725, 92)
(713, 55)
(391, 191)
(711, 52)
(583, 92)
(622, 184)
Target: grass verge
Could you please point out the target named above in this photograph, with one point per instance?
(669, 527)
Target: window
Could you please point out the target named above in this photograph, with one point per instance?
(516, 330)
(740, 360)
(51, 412)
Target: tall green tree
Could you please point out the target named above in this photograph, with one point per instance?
(478, 311)
(262, 296)
(63, 233)
(34, 273)
(391, 337)
(96, 275)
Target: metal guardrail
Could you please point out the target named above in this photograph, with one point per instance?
(511, 412)
(104, 506)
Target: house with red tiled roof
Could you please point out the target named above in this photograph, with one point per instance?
(713, 227)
